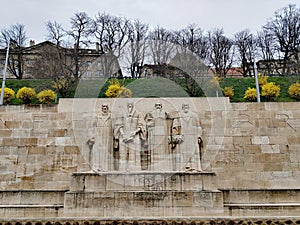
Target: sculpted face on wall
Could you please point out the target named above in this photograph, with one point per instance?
(157, 140)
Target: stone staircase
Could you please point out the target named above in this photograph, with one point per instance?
(112, 195)
(143, 194)
(262, 202)
(31, 203)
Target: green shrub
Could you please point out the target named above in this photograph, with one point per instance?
(46, 96)
(250, 94)
(294, 91)
(9, 94)
(26, 94)
(270, 91)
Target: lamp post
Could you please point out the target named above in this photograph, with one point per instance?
(4, 73)
(256, 80)
(255, 71)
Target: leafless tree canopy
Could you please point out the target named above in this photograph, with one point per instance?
(136, 52)
(245, 46)
(161, 45)
(221, 52)
(193, 39)
(17, 36)
(135, 44)
(110, 32)
(284, 28)
(55, 31)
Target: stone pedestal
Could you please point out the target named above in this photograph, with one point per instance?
(143, 194)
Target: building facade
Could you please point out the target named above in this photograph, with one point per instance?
(45, 59)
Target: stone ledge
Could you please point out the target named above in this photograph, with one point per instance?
(260, 189)
(255, 209)
(144, 172)
(34, 190)
(261, 196)
(150, 220)
(31, 206)
(262, 205)
(143, 181)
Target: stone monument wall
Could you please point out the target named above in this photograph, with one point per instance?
(37, 149)
(247, 145)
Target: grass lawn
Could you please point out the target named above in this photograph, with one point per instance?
(154, 87)
(240, 85)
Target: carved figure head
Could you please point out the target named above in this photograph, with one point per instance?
(105, 108)
(158, 106)
(130, 106)
(185, 107)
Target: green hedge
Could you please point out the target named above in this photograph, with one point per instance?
(154, 87)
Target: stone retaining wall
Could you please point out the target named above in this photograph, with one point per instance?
(247, 145)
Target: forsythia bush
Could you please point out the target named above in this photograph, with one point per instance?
(250, 94)
(262, 79)
(59, 84)
(270, 91)
(215, 81)
(117, 90)
(125, 93)
(294, 91)
(26, 94)
(228, 92)
(46, 96)
(113, 90)
(9, 94)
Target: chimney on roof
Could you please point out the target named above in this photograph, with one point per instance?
(97, 46)
(31, 43)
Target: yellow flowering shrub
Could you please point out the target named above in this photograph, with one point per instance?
(46, 96)
(250, 94)
(215, 81)
(294, 91)
(228, 92)
(117, 90)
(59, 84)
(9, 94)
(262, 79)
(113, 91)
(26, 94)
(125, 93)
(270, 91)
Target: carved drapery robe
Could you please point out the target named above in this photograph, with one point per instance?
(129, 142)
(187, 152)
(158, 133)
(101, 152)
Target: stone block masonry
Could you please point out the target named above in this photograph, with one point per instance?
(37, 149)
(252, 148)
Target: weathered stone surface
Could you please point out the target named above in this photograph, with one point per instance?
(143, 204)
(248, 146)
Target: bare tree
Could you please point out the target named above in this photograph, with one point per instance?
(55, 32)
(245, 50)
(111, 34)
(285, 29)
(80, 28)
(221, 52)
(57, 63)
(267, 50)
(137, 47)
(161, 45)
(17, 36)
(193, 38)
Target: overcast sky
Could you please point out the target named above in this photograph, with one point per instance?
(231, 15)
